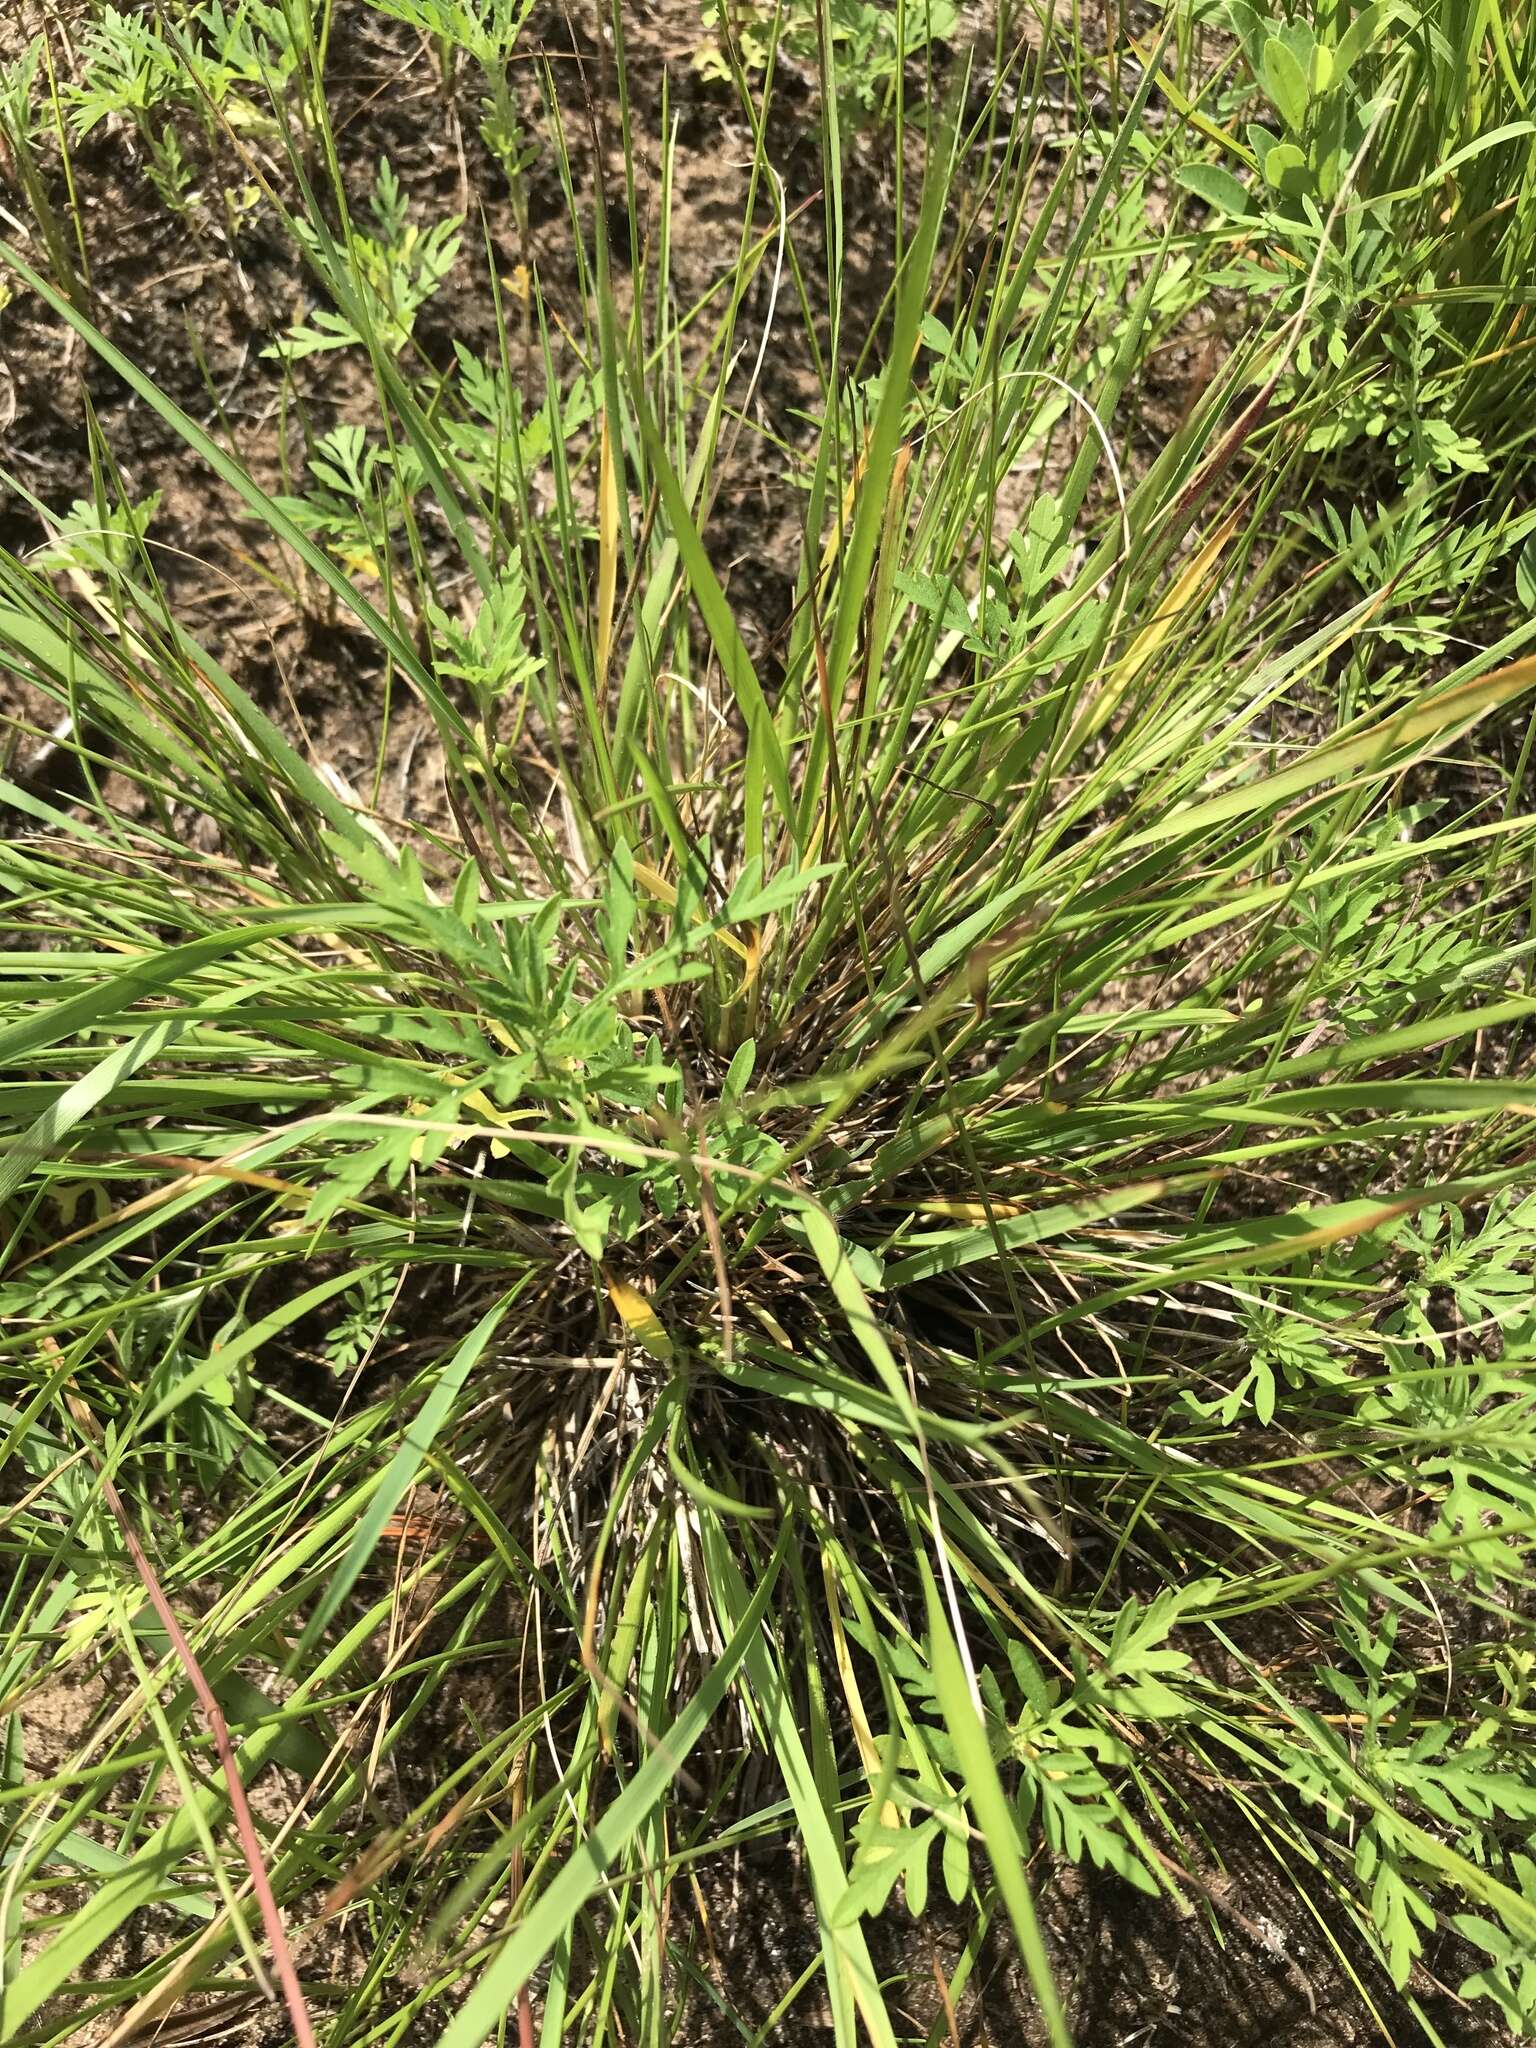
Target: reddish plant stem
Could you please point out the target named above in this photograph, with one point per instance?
(250, 1843)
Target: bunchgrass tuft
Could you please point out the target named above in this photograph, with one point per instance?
(872, 1188)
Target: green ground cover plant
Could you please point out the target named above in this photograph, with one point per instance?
(911, 1235)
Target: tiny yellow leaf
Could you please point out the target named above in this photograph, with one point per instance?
(607, 549)
(658, 885)
(968, 1212)
(663, 891)
(640, 1320)
(361, 561)
(482, 1105)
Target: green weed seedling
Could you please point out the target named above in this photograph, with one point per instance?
(867, 44)
(187, 81)
(396, 267)
(483, 33)
(129, 71)
(359, 500)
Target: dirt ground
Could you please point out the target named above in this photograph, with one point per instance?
(1254, 1964)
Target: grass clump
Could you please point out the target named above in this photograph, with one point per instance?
(908, 1229)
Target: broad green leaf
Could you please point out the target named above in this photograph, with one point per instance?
(1286, 83)
(1217, 187)
(1286, 169)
